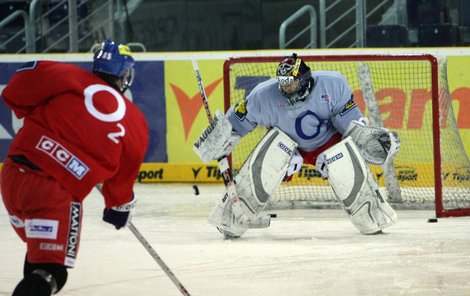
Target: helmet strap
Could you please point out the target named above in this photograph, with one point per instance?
(112, 81)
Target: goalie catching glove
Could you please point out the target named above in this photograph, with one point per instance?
(377, 145)
(217, 140)
(121, 215)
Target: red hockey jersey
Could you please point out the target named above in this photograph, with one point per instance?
(77, 129)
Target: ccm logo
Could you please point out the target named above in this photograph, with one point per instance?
(334, 158)
(62, 156)
(285, 148)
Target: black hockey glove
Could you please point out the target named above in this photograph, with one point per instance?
(121, 215)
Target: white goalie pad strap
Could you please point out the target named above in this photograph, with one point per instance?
(217, 140)
(295, 164)
(257, 180)
(356, 189)
(377, 145)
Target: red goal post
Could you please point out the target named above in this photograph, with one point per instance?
(405, 93)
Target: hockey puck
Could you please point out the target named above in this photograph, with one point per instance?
(273, 215)
(195, 190)
(432, 220)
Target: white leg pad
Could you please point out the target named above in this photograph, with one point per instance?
(257, 180)
(356, 189)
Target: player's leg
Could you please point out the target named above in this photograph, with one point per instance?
(355, 187)
(256, 181)
(41, 279)
(46, 218)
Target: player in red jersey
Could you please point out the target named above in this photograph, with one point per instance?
(79, 130)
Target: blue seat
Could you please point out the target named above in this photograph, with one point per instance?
(422, 12)
(17, 25)
(387, 36)
(439, 35)
(464, 12)
(58, 23)
(7, 7)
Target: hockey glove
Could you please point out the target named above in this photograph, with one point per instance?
(121, 215)
(377, 145)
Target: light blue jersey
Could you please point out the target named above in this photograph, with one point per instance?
(327, 110)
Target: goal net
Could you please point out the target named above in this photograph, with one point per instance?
(404, 93)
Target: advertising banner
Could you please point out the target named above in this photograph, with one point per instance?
(167, 92)
(186, 117)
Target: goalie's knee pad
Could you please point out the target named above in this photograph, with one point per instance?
(355, 187)
(256, 182)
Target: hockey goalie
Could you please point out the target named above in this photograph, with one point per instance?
(311, 117)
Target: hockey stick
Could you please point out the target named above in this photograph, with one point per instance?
(158, 259)
(223, 161)
(155, 255)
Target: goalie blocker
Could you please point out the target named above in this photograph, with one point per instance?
(258, 179)
(355, 188)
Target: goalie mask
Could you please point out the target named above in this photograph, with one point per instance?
(294, 79)
(115, 60)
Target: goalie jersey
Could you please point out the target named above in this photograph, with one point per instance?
(326, 111)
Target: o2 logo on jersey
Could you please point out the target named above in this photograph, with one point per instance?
(107, 117)
(72, 163)
(308, 126)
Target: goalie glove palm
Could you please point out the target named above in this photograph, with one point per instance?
(377, 145)
(217, 140)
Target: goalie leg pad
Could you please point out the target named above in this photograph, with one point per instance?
(355, 188)
(257, 180)
(263, 171)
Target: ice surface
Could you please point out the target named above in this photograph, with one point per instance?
(304, 252)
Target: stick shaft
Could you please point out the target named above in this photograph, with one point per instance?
(158, 259)
(154, 255)
(223, 162)
(202, 91)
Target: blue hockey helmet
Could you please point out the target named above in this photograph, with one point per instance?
(115, 59)
(294, 78)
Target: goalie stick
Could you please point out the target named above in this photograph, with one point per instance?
(223, 161)
(155, 255)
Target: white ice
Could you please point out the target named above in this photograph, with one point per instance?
(304, 252)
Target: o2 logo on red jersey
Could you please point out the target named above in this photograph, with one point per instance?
(115, 116)
(72, 163)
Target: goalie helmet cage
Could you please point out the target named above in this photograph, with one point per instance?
(432, 168)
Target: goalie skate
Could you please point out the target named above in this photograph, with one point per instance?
(227, 223)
